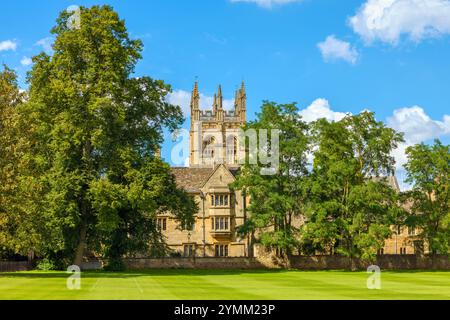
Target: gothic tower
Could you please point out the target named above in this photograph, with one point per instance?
(214, 132)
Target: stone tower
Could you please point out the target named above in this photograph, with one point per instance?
(214, 132)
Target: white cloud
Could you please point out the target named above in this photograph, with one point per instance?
(320, 109)
(8, 45)
(388, 20)
(180, 98)
(414, 122)
(267, 3)
(46, 44)
(334, 49)
(418, 127)
(26, 61)
(183, 99)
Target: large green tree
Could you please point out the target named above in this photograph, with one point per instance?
(99, 129)
(277, 198)
(17, 234)
(349, 207)
(10, 98)
(428, 170)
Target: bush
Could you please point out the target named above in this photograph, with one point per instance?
(46, 265)
(175, 254)
(115, 265)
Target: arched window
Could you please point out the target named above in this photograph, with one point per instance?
(208, 148)
(232, 148)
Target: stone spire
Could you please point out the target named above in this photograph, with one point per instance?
(195, 103)
(237, 102)
(243, 88)
(220, 97)
(219, 105)
(215, 104)
(242, 103)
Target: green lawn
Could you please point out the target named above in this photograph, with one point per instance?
(226, 285)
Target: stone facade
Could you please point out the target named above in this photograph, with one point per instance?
(404, 240)
(214, 133)
(213, 167)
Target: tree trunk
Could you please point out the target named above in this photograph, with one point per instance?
(252, 240)
(84, 206)
(79, 254)
(351, 263)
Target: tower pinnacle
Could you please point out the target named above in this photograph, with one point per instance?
(195, 103)
(220, 98)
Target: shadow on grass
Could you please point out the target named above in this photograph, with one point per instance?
(140, 273)
(186, 272)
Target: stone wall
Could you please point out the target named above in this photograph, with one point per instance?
(14, 266)
(414, 262)
(197, 263)
(387, 262)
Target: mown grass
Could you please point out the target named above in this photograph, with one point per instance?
(224, 285)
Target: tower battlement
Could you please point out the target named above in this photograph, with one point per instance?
(214, 132)
(217, 112)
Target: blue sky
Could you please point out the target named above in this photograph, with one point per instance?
(332, 57)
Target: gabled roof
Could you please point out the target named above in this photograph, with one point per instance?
(193, 179)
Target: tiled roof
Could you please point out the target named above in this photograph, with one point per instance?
(191, 179)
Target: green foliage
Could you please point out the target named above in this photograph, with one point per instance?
(428, 170)
(126, 212)
(349, 208)
(346, 206)
(9, 96)
(95, 132)
(17, 220)
(277, 199)
(46, 265)
(115, 265)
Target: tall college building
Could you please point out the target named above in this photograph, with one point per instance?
(212, 167)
